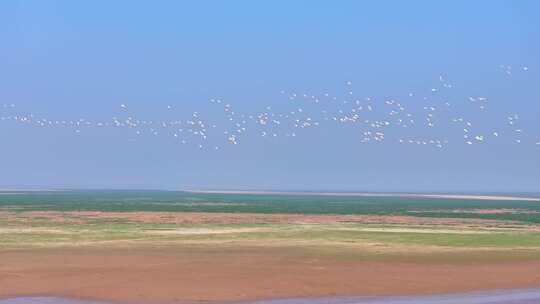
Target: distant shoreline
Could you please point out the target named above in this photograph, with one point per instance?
(492, 197)
(375, 194)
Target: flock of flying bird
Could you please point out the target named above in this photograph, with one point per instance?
(421, 116)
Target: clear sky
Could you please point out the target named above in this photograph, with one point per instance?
(95, 60)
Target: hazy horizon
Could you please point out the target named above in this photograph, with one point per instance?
(9, 188)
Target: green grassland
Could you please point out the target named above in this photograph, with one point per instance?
(518, 233)
(43, 233)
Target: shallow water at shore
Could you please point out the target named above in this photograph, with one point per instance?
(518, 296)
(48, 300)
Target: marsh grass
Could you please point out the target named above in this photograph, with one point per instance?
(48, 233)
(512, 232)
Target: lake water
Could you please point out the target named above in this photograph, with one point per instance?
(518, 296)
(301, 203)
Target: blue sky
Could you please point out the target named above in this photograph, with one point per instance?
(67, 60)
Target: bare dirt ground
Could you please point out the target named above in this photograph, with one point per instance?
(200, 274)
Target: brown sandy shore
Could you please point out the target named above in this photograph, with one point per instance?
(170, 273)
(152, 268)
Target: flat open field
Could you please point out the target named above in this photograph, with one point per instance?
(177, 246)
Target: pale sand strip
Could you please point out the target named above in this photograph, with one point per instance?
(375, 194)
